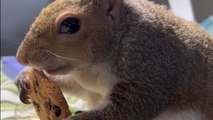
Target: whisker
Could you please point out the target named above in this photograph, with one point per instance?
(59, 56)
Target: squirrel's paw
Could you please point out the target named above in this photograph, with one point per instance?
(79, 116)
(22, 82)
(73, 118)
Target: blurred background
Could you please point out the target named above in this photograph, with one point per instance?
(18, 15)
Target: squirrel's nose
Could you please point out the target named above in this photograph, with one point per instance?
(21, 56)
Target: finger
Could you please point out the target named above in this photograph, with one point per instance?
(24, 97)
(77, 112)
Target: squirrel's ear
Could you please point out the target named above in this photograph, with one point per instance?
(112, 9)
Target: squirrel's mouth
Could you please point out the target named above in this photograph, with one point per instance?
(59, 70)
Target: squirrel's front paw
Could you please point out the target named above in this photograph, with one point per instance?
(22, 82)
(74, 118)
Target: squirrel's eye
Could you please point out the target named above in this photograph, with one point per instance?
(70, 25)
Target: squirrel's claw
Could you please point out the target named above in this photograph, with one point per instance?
(77, 112)
(81, 115)
(22, 82)
(71, 118)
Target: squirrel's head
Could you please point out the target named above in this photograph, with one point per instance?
(68, 34)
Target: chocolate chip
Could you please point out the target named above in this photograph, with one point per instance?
(36, 105)
(35, 87)
(36, 82)
(57, 111)
(48, 105)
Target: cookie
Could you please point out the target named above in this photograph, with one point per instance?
(47, 98)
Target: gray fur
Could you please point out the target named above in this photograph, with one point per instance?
(161, 60)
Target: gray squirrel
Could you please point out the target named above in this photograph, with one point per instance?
(129, 59)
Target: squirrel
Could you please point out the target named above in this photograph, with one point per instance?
(129, 59)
